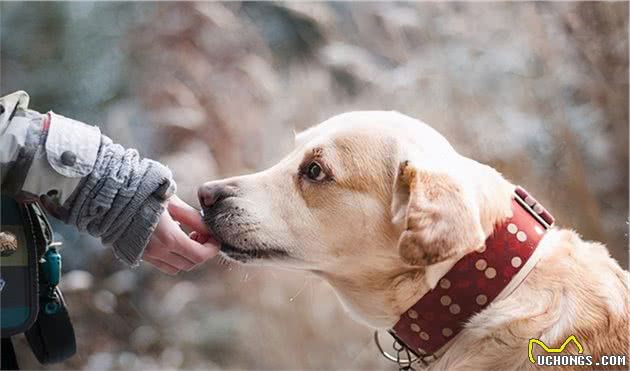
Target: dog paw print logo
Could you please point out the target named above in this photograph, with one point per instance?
(570, 339)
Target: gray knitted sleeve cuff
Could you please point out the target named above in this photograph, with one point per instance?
(121, 200)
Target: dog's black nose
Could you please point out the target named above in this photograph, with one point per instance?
(212, 192)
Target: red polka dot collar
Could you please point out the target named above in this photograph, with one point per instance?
(475, 280)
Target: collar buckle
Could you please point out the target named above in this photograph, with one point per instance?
(405, 358)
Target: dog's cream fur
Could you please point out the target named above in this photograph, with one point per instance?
(398, 207)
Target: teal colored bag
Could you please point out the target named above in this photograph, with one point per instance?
(19, 247)
(30, 269)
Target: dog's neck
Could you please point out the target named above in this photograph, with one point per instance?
(478, 279)
(381, 297)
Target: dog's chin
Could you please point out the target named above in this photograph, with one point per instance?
(253, 254)
(236, 247)
(237, 254)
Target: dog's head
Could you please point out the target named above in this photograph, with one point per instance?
(368, 200)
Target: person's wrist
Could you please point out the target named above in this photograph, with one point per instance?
(130, 246)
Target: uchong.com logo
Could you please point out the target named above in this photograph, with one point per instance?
(553, 356)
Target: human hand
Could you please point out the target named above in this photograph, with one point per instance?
(170, 249)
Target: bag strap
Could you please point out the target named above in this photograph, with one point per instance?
(51, 337)
(9, 360)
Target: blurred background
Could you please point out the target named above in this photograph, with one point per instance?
(537, 90)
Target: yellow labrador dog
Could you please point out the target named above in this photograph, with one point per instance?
(418, 239)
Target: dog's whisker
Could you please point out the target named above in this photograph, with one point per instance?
(299, 291)
(245, 277)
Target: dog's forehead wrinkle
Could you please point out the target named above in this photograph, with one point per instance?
(311, 146)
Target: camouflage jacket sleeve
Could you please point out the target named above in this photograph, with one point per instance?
(82, 176)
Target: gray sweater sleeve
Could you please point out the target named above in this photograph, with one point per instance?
(81, 176)
(121, 200)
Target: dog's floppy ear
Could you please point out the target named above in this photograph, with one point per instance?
(438, 219)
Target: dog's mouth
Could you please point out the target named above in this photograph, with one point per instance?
(234, 245)
(246, 255)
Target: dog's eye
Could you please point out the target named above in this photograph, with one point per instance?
(314, 172)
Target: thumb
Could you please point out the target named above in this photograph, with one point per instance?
(186, 214)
